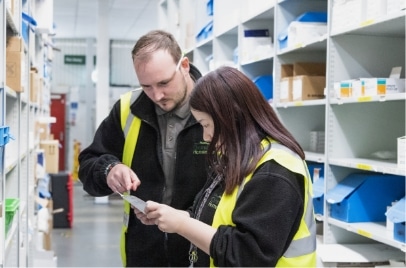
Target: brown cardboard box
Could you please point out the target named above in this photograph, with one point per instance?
(51, 149)
(286, 70)
(308, 87)
(43, 130)
(309, 68)
(40, 90)
(286, 89)
(15, 63)
(34, 84)
(15, 43)
(14, 68)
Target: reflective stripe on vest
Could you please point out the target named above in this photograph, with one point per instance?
(131, 127)
(301, 251)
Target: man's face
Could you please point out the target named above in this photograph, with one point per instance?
(162, 80)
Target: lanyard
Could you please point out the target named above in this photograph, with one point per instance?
(207, 193)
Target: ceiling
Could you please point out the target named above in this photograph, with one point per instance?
(128, 19)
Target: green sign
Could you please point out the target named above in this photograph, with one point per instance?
(75, 59)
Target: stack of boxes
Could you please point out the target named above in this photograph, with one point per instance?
(302, 81)
(317, 140)
(50, 146)
(368, 87)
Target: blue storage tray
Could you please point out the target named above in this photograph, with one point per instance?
(363, 197)
(264, 84)
(313, 16)
(4, 135)
(205, 32)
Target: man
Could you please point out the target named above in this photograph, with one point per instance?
(168, 162)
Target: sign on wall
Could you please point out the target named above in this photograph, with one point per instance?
(75, 59)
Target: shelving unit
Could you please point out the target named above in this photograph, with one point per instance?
(355, 127)
(20, 112)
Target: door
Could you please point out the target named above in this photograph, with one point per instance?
(58, 110)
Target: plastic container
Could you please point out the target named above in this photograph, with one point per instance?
(12, 205)
(4, 135)
(264, 84)
(313, 16)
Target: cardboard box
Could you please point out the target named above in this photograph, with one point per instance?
(300, 33)
(364, 197)
(286, 89)
(14, 43)
(14, 70)
(401, 152)
(34, 85)
(308, 87)
(51, 149)
(309, 68)
(397, 215)
(382, 86)
(43, 130)
(14, 63)
(286, 70)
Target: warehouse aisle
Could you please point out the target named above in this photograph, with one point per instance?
(94, 239)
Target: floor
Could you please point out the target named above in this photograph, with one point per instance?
(94, 239)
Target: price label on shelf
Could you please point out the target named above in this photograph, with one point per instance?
(364, 167)
(364, 233)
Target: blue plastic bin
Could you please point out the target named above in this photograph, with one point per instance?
(364, 197)
(265, 85)
(313, 16)
(318, 196)
(4, 135)
(209, 7)
(397, 215)
(205, 32)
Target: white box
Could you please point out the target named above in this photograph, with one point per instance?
(401, 152)
(393, 6)
(382, 86)
(347, 14)
(300, 33)
(286, 89)
(375, 9)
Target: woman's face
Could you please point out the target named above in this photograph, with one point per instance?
(207, 123)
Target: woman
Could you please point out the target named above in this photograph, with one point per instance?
(256, 209)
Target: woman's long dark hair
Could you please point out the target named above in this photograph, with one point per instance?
(242, 119)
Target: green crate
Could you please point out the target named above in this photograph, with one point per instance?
(11, 208)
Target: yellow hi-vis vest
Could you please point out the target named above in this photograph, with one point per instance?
(302, 250)
(131, 127)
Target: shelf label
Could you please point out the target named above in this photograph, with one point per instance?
(298, 103)
(364, 99)
(364, 233)
(367, 22)
(365, 167)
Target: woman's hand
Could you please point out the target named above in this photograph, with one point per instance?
(167, 218)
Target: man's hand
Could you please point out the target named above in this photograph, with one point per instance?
(122, 178)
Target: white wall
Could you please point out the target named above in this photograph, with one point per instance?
(75, 81)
